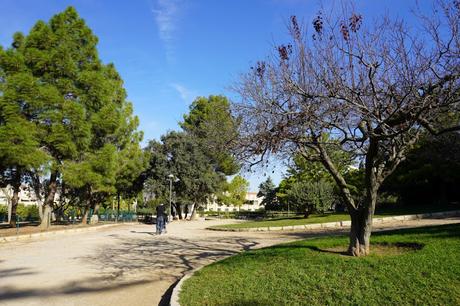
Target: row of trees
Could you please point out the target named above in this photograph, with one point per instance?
(198, 158)
(429, 175)
(65, 123)
(308, 187)
(66, 128)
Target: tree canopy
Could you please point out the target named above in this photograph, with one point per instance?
(182, 156)
(267, 191)
(211, 122)
(200, 156)
(234, 193)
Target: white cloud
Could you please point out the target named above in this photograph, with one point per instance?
(185, 94)
(166, 17)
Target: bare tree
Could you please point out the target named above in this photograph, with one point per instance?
(370, 90)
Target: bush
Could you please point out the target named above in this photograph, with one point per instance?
(101, 210)
(146, 211)
(33, 213)
(27, 213)
(321, 196)
(3, 213)
(311, 196)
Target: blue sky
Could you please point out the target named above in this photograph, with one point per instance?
(170, 51)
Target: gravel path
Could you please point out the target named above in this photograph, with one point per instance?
(128, 264)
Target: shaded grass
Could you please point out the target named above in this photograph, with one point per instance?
(309, 273)
(387, 211)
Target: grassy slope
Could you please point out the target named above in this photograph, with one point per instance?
(302, 273)
(391, 211)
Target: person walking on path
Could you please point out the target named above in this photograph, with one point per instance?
(161, 219)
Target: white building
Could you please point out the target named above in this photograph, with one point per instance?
(252, 203)
(26, 195)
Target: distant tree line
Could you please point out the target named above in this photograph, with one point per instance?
(429, 175)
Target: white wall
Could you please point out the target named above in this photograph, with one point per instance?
(253, 203)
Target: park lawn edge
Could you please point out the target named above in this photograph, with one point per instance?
(427, 276)
(335, 217)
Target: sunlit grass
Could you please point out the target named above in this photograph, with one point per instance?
(408, 267)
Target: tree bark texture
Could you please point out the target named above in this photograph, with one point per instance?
(193, 214)
(49, 201)
(361, 220)
(84, 218)
(14, 203)
(8, 197)
(360, 232)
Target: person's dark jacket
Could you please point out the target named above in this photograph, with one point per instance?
(161, 211)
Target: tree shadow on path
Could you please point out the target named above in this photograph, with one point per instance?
(93, 284)
(4, 273)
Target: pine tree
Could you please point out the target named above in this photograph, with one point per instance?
(79, 108)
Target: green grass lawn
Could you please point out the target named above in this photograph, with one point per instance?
(334, 217)
(313, 272)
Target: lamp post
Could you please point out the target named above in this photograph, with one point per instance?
(170, 179)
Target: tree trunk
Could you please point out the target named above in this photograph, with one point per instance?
(46, 221)
(10, 209)
(84, 219)
(361, 224)
(37, 186)
(87, 208)
(178, 211)
(8, 197)
(40, 209)
(14, 203)
(193, 215)
(49, 201)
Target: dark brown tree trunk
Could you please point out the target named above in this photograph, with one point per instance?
(361, 217)
(360, 232)
(14, 203)
(178, 211)
(84, 220)
(187, 209)
(49, 201)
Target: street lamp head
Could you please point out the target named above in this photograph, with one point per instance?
(171, 176)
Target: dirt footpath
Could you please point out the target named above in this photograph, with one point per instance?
(128, 265)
